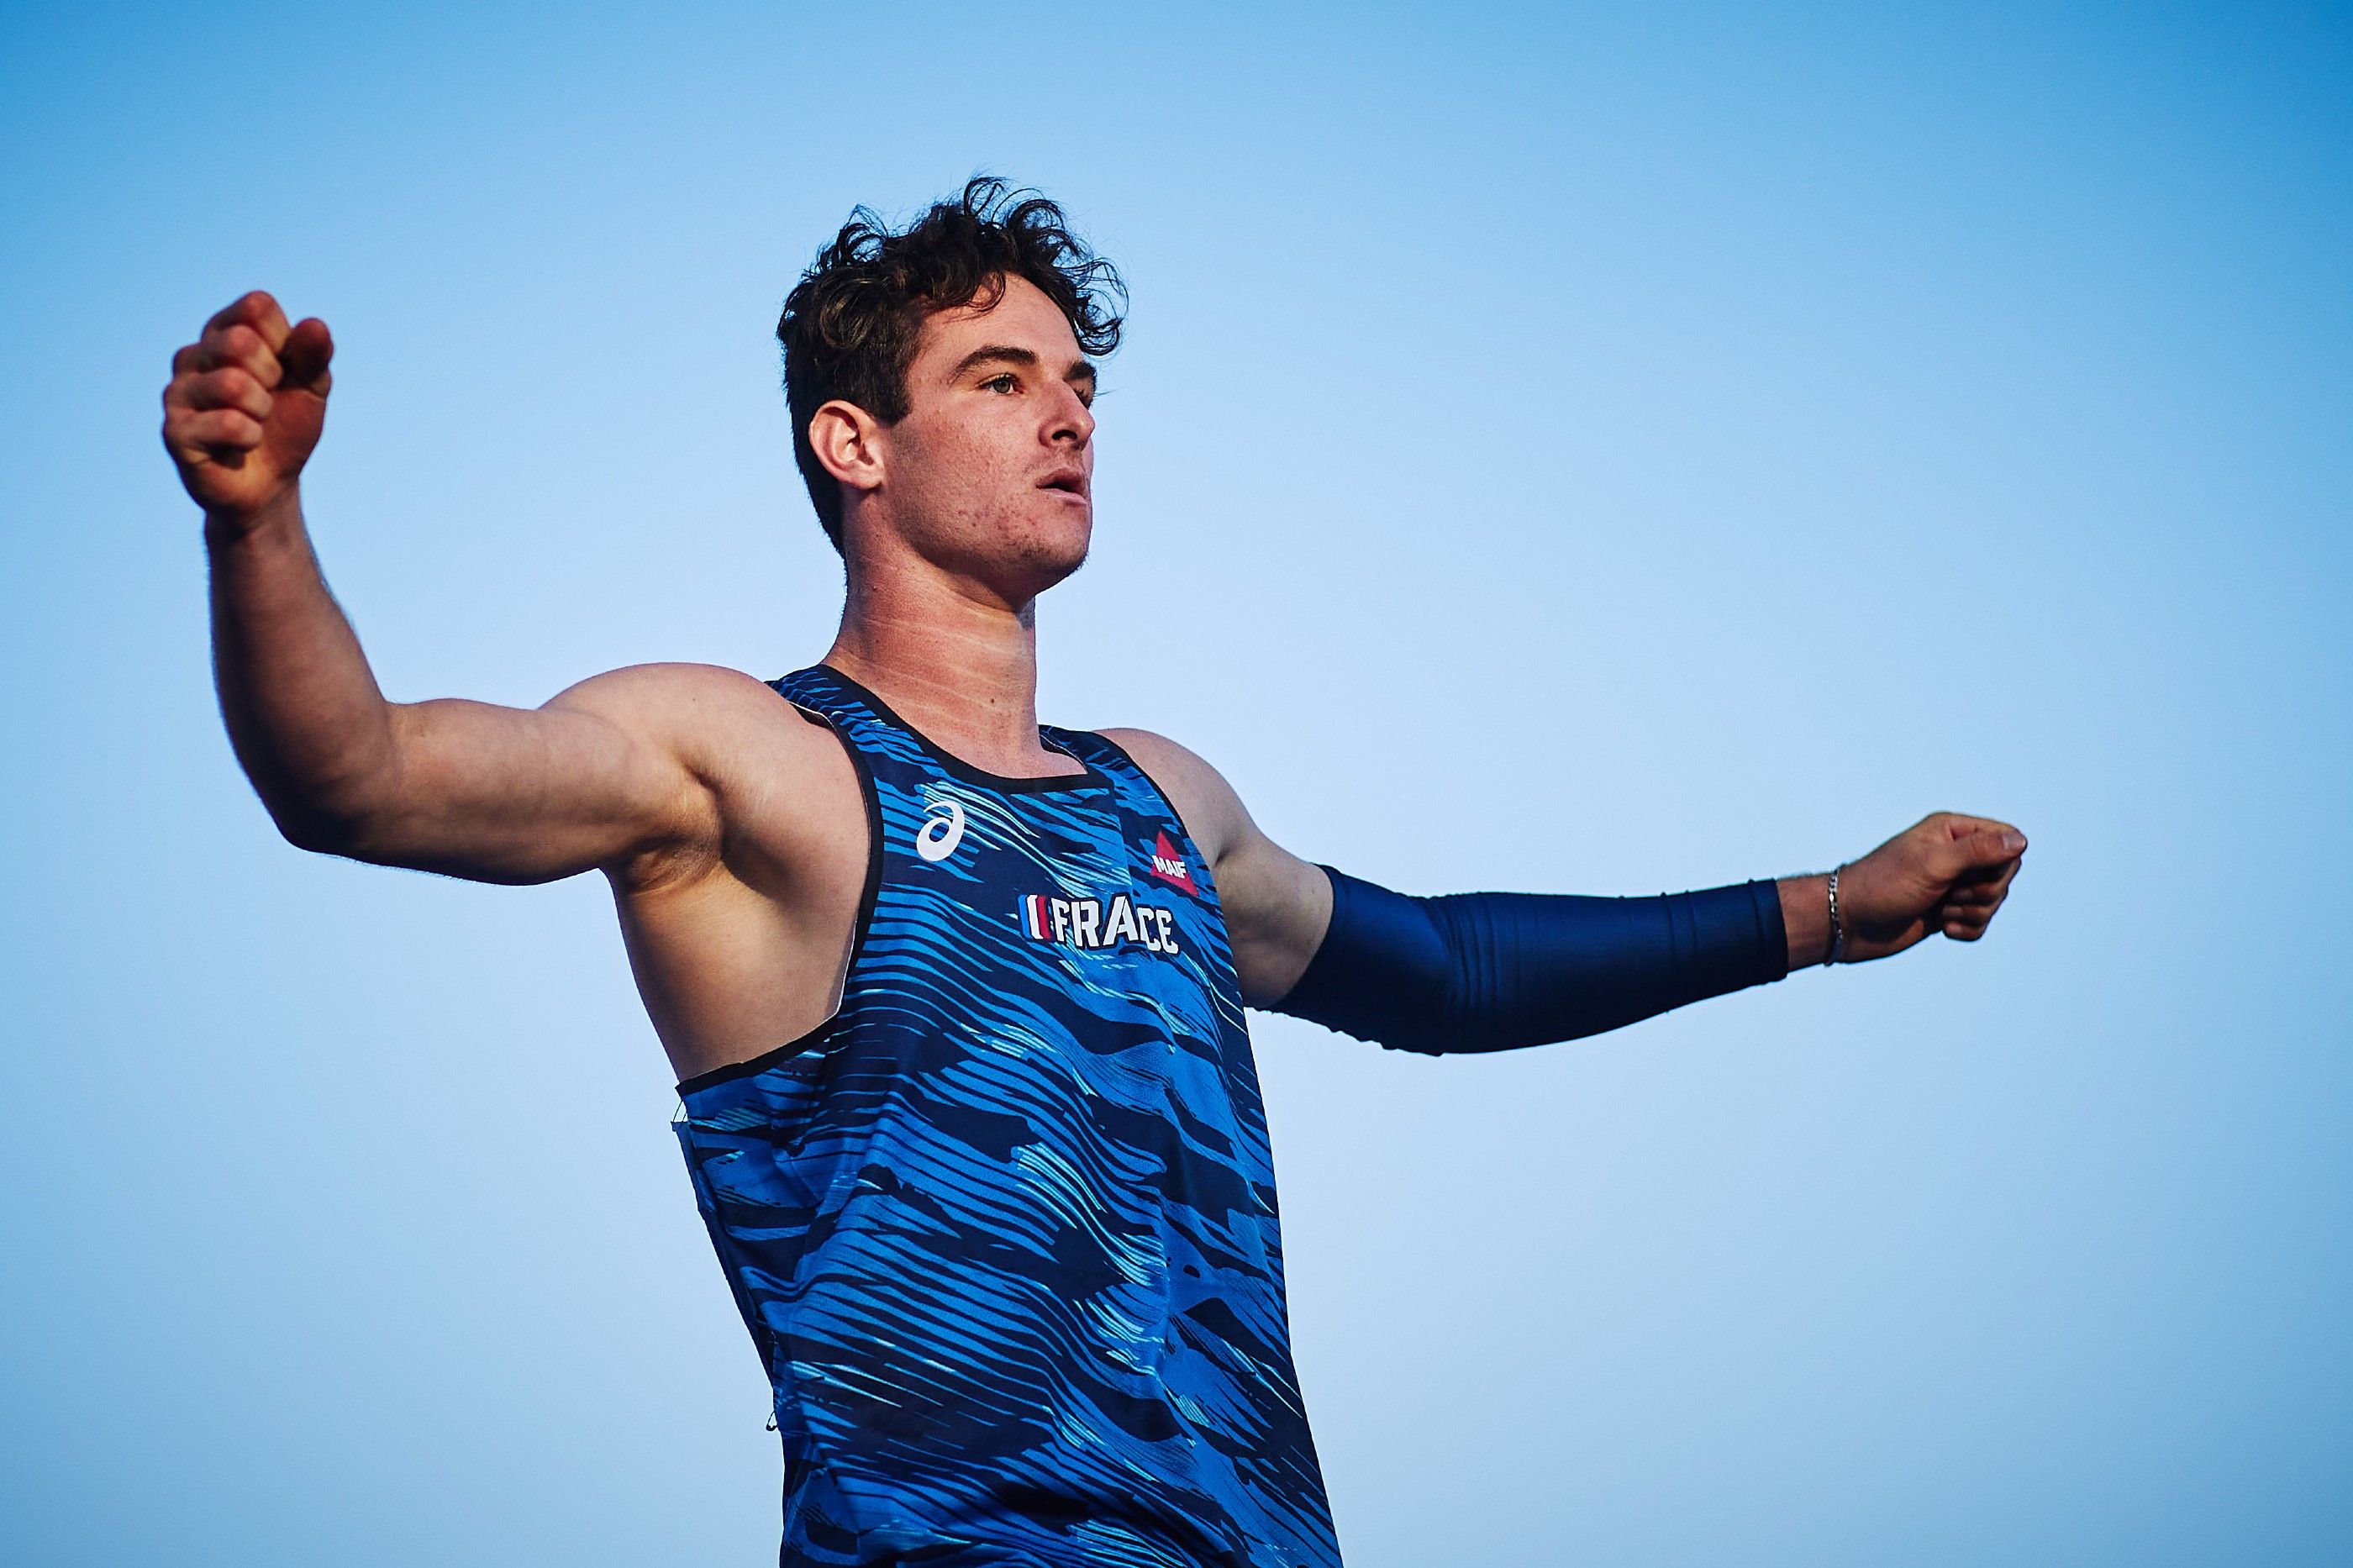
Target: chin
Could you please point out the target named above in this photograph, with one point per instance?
(1046, 551)
(1047, 561)
(1019, 555)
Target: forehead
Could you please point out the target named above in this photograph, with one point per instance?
(1023, 318)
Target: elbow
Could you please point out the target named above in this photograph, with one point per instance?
(355, 821)
(321, 832)
(347, 811)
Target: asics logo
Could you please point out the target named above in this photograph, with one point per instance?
(942, 831)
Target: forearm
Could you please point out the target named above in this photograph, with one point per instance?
(1497, 971)
(309, 724)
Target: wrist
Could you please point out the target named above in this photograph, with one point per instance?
(1806, 917)
(281, 514)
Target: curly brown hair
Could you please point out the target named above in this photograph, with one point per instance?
(850, 325)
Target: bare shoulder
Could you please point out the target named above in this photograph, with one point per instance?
(690, 708)
(664, 692)
(1214, 814)
(721, 723)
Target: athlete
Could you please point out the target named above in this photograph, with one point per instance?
(956, 999)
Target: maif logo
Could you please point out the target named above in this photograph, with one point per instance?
(1169, 865)
(941, 830)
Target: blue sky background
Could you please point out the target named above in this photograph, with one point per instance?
(1556, 449)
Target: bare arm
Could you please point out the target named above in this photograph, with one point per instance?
(597, 778)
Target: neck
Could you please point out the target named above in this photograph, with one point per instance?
(960, 665)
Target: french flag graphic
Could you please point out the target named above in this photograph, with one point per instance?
(1033, 917)
(1169, 865)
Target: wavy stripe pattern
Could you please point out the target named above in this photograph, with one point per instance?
(1005, 1228)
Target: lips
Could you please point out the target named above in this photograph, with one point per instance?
(1069, 481)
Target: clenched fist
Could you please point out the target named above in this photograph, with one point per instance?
(1949, 873)
(245, 406)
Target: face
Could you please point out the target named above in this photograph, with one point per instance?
(990, 476)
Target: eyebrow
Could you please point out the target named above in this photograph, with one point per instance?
(1005, 354)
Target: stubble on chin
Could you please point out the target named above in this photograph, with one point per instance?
(1046, 553)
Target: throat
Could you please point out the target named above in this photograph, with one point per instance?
(979, 708)
(953, 658)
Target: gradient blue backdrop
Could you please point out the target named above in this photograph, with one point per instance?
(1554, 450)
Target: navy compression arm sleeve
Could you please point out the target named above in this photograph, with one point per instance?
(1489, 972)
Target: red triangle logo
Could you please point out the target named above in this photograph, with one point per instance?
(1169, 865)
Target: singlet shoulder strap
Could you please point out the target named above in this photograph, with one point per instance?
(1095, 750)
(857, 715)
(821, 691)
(1109, 758)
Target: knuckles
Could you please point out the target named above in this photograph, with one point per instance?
(243, 347)
(242, 342)
(190, 431)
(236, 387)
(231, 387)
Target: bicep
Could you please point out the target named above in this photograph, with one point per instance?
(509, 795)
(1278, 907)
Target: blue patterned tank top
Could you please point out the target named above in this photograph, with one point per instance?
(1004, 1228)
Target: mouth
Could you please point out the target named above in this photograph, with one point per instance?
(1067, 482)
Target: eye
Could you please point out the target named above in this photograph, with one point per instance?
(1007, 381)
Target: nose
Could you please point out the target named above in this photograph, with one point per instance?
(1073, 422)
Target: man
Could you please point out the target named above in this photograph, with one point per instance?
(956, 999)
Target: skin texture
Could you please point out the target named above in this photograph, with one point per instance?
(730, 828)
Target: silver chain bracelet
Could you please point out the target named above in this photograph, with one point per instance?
(1837, 927)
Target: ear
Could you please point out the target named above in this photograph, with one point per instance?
(848, 441)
